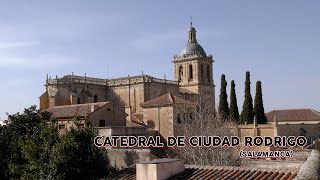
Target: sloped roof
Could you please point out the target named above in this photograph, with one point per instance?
(75, 110)
(164, 100)
(134, 124)
(228, 172)
(137, 117)
(293, 115)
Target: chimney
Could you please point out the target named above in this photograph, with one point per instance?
(94, 108)
(159, 169)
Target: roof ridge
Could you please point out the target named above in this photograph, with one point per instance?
(171, 97)
(292, 109)
(315, 111)
(85, 104)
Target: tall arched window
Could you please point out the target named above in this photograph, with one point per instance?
(201, 72)
(78, 101)
(180, 73)
(190, 71)
(208, 73)
(95, 99)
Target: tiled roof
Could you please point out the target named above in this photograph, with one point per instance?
(137, 117)
(164, 100)
(293, 115)
(75, 110)
(134, 124)
(225, 173)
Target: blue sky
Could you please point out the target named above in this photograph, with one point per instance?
(277, 41)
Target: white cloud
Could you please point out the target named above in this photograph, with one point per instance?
(35, 62)
(5, 45)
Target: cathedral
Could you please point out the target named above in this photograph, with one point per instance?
(137, 95)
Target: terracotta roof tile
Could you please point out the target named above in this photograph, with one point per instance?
(75, 110)
(294, 115)
(134, 124)
(217, 173)
(137, 117)
(165, 99)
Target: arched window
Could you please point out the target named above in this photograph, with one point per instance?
(179, 119)
(208, 73)
(78, 101)
(95, 99)
(180, 73)
(190, 71)
(201, 72)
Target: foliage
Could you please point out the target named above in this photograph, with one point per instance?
(131, 157)
(247, 113)
(258, 105)
(234, 112)
(223, 102)
(32, 148)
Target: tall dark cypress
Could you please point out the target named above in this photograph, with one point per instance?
(247, 113)
(223, 103)
(234, 112)
(258, 105)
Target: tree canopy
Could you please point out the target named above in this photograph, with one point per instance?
(32, 148)
(223, 101)
(258, 105)
(247, 114)
(234, 112)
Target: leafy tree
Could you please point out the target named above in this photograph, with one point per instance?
(234, 112)
(76, 158)
(223, 101)
(258, 105)
(32, 148)
(247, 113)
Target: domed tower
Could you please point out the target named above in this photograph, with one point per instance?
(193, 67)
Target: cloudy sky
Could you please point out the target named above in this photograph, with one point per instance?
(278, 42)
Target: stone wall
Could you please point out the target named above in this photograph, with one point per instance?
(160, 118)
(122, 158)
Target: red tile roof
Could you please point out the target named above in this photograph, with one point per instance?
(164, 100)
(293, 115)
(135, 124)
(75, 110)
(227, 173)
(137, 117)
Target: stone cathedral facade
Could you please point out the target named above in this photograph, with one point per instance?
(193, 75)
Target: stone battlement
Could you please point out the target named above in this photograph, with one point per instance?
(195, 55)
(70, 79)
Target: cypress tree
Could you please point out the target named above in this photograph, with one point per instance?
(258, 105)
(223, 103)
(247, 113)
(234, 112)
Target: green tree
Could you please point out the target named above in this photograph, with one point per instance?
(32, 148)
(247, 113)
(234, 112)
(258, 105)
(223, 101)
(76, 158)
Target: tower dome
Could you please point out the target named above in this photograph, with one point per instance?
(192, 47)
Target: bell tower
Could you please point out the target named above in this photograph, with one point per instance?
(193, 67)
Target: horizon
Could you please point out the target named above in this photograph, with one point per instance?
(277, 42)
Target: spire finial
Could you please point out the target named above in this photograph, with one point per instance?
(190, 21)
